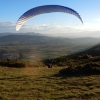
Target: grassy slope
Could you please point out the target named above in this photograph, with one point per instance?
(45, 84)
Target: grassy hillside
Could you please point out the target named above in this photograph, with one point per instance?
(88, 55)
(94, 51)
(80, 63)
(45, 84)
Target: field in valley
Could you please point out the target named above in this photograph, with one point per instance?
(44, 83)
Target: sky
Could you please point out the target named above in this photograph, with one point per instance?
(53, 24)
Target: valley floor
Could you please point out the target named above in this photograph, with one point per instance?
(43, 83)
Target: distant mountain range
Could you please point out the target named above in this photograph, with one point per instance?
(36, 44)
(93, 51)
(27, 33)
(30, 36)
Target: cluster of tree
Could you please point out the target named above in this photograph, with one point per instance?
(12, 63)
(79, 65)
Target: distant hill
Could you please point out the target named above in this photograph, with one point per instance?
(83, 57)
(42, 46)
(28, 33)
(33, 45)
(35, 39)
(38, 38)
(87, 40)
(93, 51)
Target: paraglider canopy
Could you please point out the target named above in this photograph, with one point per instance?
(44, 9)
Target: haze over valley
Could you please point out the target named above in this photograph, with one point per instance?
(40, 46)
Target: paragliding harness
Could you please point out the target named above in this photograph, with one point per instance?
(49, 63)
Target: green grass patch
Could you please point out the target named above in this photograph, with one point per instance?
(42, 83)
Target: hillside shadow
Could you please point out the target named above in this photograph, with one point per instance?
(69, 75)
(77, 72)
(14, 78)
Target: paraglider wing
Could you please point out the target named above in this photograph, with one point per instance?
(44, 9)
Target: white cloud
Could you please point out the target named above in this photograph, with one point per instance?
(7, 27)
(54, 29)
(7, 24)
(90, 27)
(97, 19)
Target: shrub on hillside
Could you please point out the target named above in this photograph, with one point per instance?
(12, 63)
(91, 68)
(87, 69)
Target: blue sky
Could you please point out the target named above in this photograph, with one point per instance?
(55, 24)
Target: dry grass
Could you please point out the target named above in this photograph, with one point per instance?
(43, 83)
